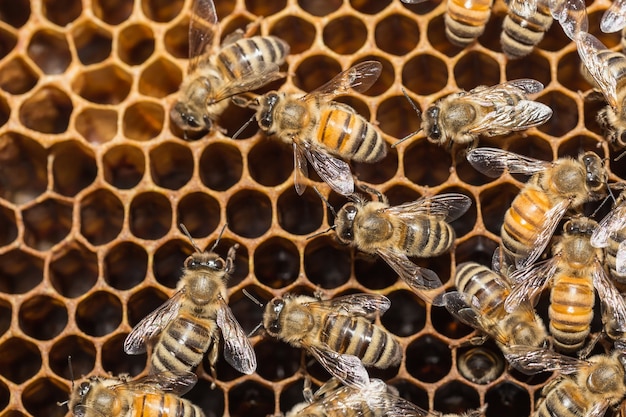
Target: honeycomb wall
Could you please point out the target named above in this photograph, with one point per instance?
(95, 178)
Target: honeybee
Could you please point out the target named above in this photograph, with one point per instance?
(573, 272)
(465, 20)
(320, 130)
(553, 188)
(614, 18)
(151, 396)
(524, 26)
(339, 333)
(479, 365)
(479, 302)
(242, 64)
(611, 235)
(190, 323)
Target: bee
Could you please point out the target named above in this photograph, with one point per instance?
(242, 64)
(321, 130)
(553, 188)
(573, 272)
(190, 323)
(465, 21)
(479, 302)
(480, 365)
(151, 396)
(339, 332)
(611, 235)
(524, 26)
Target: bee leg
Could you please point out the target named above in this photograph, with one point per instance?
(328, 386)
(319, 294)
(230, 258)
(371, 190)
(586, 351)
(213, 353)
(307, 392)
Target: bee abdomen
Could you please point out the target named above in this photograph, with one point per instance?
(571, 312)
(478, 281)
(427, 237)
(520, 35)
(164, 405)
(564, 400)
(249, 56)
(465, 24)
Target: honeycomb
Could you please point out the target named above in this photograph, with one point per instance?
(89, 248)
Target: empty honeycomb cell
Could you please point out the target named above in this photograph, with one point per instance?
(176, 39)
(494, 202)
(535, 66)
(200, 213)
(5, 317)
(168, 261)
(20, 360)
(150, 215)
(372, 272)
(15, 13)
(428, 359)
(578, 144)
(7, 42)
(97, 125)
(171, 165)
(42, 396)
(437, 37)
(68, 264)
(235, 117)
(62, 12)
(397, 34)
(477, 249)
(407, 314)
(508, 399)
(278, 171)
(8, 226)
(474, 69)
(17, 76)
(326, 262)
(529, 145)
(264, 8)
(116, 362)
(555, 39)
(490, 38)
(42, 309)
(445, 324)
(144, 302)
(345, 34)
(101, 216)
(220, 166)
(314, 71)
(50, 51)
(113, 12)
(372, 7)
(396, 117)
(455, 397)
(249, 213)
(125, 265)
(276, 262)
(299, 214)
(276, 360)
(319, 7)
(379, 172)
(464, 224)
(568, 73)
(250, 399)
(81, 351)
(299, 40)
(135, 44)
(480, 364)
(99, 314)
(20, 272)
(5, 396)
(291, 395)
(124, 166)
(107, 84)
(411, 392)
(93, 42)
(424, 74)
(591, 109)
(161, 10)
(5, 111)
(565, 113)
(247, 312)
(210, 400)
(435, 172)
(73, 167)
(47, 223)
(47, 111)
(160, 79)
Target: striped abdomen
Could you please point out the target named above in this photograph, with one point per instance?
(610, 253)
(565, 399)
(356, 336)
(465, 21)
(163, 405)
(248, 55)
(481, 282)
(349, 135)
(571, 310)
(182, 344)
(424, 237)
(520, 35)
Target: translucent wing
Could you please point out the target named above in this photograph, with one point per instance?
(300, 169)
(176, 382)
(612, 223)
(237, 348)
(202, 28)
(614, 18)
(523, 115)
(493, 161)
(250, 79)
(530, 360)
(572, 15)
(152, 324)
(359, 78)
(620, 258)
(467, 310)
(347, 368)
(598, 409)
(449, 207)
(588, 48)
(523, 8)
(333, 171)
(365, 305)
(528, 284)
(613, 304)
(527, 85)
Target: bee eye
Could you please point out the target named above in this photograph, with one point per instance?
(218, 264)
(274, 328)
(351, 209)
(83, 389)
(191, 122)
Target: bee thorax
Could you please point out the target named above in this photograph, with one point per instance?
(376, 228)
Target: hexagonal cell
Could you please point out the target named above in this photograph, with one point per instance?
(5, 396)
(5, 110)
(199, 212)
(456, 397)
(568, 73)
(135, 44)
(8, 226)
(233, 119)
(508, 399)
(176, 39)
(42, 396)
(42, 309)
(476, 249)
(8, 40)
(249, 213)
(99, 314)
(15, 13)
(494, 202)
(250, 399)
(101, 216)
(470, 175)
(373, 272)
(277, 262)
(97, 125)
(326, 263)
(407, 314)
(435, 172)
(428, 359)
(278, 171)
(73, 167)
(396, 117)
(47, 111)
(124, 166)
(20, 272)
(144, 302)
(474, 69)
(62, 12)
(116, 363)
(490, 38)
(168, 261)
(74, 260)
(209, 399)
(464, 224)
(242, 268)
(480, 364)
(379, 172)
(93, 42)
(591, 109)
(248, 313)
(125, 265)
(112, 12)
(17, 77)
(263, 8)
(277, 360)
(579, 144)
(425, 74)
(535, 67)
(530, 145)
(369, 6)
(161, 10)
(108, 84)
(291, 395)
(171, 165)
(299, 214)
(411, 392)
(299, 40)
(345, 34)
(565, 116)
(397, 34)
(314, 71)
(319, 7)
(50, 51)
(47, 223)
(20, 360)
(160, 79)
(555, 39)
(6, 312)
(150, 215)
(81, 350)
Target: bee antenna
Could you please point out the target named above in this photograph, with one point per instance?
(219, 237)
(252, 298)
(620, 156)
(69, 365)
(323, 232)
(331, 208)
(242, 128)
(256, 329)
(186, 233)
(419, 113)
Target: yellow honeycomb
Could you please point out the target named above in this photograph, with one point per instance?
(95, 178)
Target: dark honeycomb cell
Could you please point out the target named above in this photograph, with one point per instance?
(23, 168)
(97, 125)
(372, 272)
(428, 359)
(399, 194)
(247, 311)
(5, 111)
(125, 265)
(5, 317)
(144, 302)
(530, 145)
(15, 13)
(425, 74)
(397, 34)
(161, 10)
(93, 43)
(444, 323)
(116, 362)
(278, 171)
(456, 397)
(168, 262)
(221, 166)
(291, 395)
(17, 76)
(438, 39)
(108, 84)
(47, 223)
(382, 84)
(299, 40)
(345, 34)
(73, 261)
(480, 365)
(474, 69)
(20, 272)
(62, 12)
(250, 399)
(508, 399)
(263, 8)
(470, 175)
(314, 71)
(249, 213)
(407, 314)
(50, 51)
(277, 262)
(124, 166)
(372, 7)
(199, 212)
(160, 79)
(19, 360)
(476, 249)
(565, 113)
(326, 263)
(8, 226)
(99, 314)
(210, 400)
(412, 392)
(591, 108)
(276, 360)
(73, 167)
(7, 42)
(176, 39)
(396, 117)
(101, 216)
(135, 44)
(42, 397)
(568, 73)
(433, 173)
(490, 38)
(171, 165)
(5, 396)
(465, 223)
(47, 111)
(42, 309)
(113, 12)
(379, 172)
(81, 351)
(235, 118)
(150, 215)
(580, 144)
(299, 214)
(555, 39)
(535, 67)
(319, 7)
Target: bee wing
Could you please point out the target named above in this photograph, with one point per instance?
(614, 18)
(588, 48)
(572, 15)
(333, 171)
(202, 29)
(359, 78)
(526, 85)
(365, 305)
(347, 368)
(620, 258)
(525, 114)
(449, 206)
(176, 382)
(466, 309)
(250, 79)
(531, 360)
(152, 324)
(528, 284)
(613, 304)
(523, 8)
(610, 224)
(598, 409)
(492, 162)
(377, 396)
(237, 348)
(300, 168)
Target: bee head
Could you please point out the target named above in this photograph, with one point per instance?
(205, 260)
(266, 111)
(430, 123)
(345, 222)
(579, 226)
(189, 119)
(271, 318)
